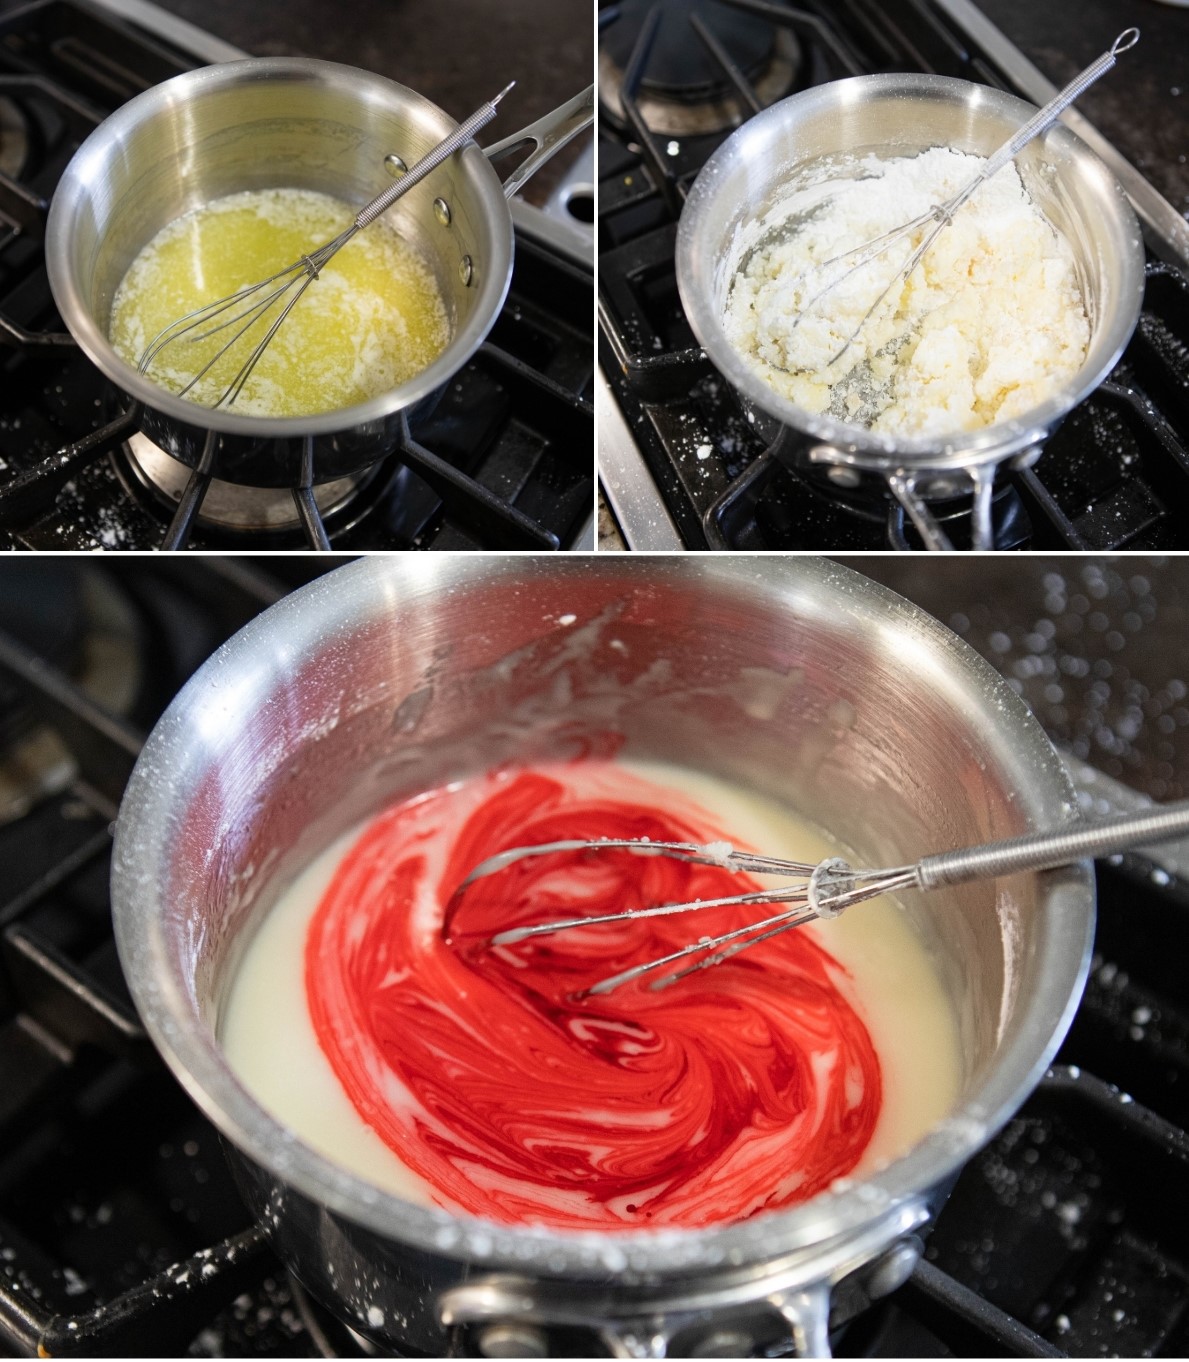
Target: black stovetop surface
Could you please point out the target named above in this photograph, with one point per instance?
(1113, 476)
(1065, 1234)
(504, 461)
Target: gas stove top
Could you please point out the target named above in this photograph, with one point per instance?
(680, 463)
(504, 461)
(120, 1229)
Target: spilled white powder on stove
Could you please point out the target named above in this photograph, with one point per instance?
(987, 327)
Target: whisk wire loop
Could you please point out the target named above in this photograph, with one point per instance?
(517, 934)
(779, 922)
(833, 885)
(245, 371)
(721, 854)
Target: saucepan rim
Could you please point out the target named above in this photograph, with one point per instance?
(370, 589)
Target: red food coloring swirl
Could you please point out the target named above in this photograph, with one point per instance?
(745, 1088)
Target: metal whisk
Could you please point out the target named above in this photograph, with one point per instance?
(942, 214)
(826, 889)
(248, 308)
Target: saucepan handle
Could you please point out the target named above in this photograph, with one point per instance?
(546, 136)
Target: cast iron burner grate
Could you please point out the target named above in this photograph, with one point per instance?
(1114, 475)
(120, 1230)
(504, 461)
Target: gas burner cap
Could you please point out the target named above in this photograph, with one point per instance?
(683, 89)
(229, 506)
(679, 66)
(14, 138)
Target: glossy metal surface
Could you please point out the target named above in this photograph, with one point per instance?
(900, 115)
(544, 138)
(795, 676)
(255, 124)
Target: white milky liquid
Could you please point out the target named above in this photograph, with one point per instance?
(270, 1041)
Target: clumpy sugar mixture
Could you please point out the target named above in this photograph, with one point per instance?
(372, 319)
(987, 327)
(372, 1016)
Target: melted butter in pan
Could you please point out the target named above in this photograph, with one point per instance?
(373, 319)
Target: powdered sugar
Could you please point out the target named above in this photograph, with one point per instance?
(985, 329)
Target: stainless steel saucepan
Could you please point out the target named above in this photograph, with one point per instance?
(794, 676)
(272, 122)
(900, 115)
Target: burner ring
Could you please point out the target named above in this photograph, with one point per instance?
(668, 116)
(679, 64)
(227, 505)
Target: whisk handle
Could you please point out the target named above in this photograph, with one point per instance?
(1046, 117)
(1047, 850)
(430, 161)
